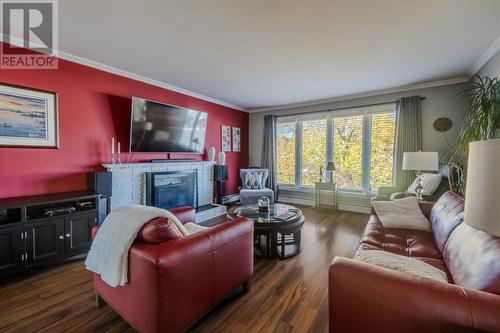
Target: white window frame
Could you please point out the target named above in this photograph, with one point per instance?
(330, 126)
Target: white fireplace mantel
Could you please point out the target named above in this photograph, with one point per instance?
(129, 183)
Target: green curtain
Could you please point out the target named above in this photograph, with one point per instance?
(408, 136)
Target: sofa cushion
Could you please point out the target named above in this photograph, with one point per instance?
(402, 213)
(158, 230)
(407, 242)
(402, 264)
(446, 215)
(473, 258)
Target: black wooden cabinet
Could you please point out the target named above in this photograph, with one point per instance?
(11, 249)
(42, 230)
(78, 232)
(44, 241)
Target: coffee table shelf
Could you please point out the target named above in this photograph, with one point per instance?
(273, 238)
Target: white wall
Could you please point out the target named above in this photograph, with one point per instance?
(444, 101)
(492, 67)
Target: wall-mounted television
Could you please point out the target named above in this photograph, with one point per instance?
(164, 128)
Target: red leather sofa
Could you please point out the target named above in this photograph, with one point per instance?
(172, 284)
(367, 298)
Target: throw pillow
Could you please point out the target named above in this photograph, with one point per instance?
(158, 230)
(402, 213)
(430, 182)
(402, 264)
(253, 180)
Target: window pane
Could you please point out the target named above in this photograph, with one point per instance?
(285, 163)
(347, 151)
(313, 150)
(382, 145)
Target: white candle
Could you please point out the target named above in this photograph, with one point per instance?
(118, 150)
(113, 145)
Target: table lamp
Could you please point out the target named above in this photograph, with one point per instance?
(330, 167)
(419, 161)
(482, 209)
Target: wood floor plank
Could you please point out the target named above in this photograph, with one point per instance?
(286, 295)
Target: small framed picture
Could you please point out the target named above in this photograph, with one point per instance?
(28, 118)
(236, 139)
(226, 138)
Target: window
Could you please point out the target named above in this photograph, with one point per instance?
(348, 151)
(359, 141)
(313, 150)
(382, 149)
(285, 159)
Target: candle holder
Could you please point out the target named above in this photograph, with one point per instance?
(119, 158)
(113, 158)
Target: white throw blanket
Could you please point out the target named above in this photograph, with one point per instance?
(108, 254)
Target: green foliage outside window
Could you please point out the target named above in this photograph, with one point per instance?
(347, 151)
(313, 150)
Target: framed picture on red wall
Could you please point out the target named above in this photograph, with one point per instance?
(28, 118)
(225, 138)
(236, 139)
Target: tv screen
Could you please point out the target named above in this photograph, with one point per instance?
(158, 127)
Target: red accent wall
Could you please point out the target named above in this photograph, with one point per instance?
(93, 107)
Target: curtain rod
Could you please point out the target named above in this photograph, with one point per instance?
(338, 108)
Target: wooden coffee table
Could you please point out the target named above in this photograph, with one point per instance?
(273, 238)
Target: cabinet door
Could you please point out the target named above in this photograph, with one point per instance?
(10, 248)
(78, 232)
(45, 240)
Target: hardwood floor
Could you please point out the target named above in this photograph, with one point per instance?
(287, 295)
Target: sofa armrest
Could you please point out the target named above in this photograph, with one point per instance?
(388, 190)
(185, 214)
(367, 298)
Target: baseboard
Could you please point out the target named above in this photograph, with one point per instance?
(340, 206)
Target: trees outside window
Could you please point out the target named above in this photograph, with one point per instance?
(313, 150)
(285, 158)
(361, 144)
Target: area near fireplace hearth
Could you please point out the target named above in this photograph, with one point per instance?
(130, 185)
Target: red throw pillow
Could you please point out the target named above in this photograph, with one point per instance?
(158, 230)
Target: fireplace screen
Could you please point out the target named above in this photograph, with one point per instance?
(171, 189)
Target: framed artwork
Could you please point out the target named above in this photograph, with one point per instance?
(28, 118)
(236, 139)
(226, 138)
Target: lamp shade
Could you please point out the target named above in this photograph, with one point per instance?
(420, 161)
(330, 166)
(482, 208)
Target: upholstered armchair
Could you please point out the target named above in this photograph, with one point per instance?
(254, 186)
(394, 192)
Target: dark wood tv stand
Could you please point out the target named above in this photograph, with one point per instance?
(41, 230)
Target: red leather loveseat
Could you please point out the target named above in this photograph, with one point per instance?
(174, 283)
(367, 298)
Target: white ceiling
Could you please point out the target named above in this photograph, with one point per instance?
(256, 53)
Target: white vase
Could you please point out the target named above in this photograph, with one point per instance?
(222, 158)
(211, 154)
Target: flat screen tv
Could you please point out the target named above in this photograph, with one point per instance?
(158, 127)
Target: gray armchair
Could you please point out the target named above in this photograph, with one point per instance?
(254, 182)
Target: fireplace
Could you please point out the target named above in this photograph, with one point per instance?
(172, 189)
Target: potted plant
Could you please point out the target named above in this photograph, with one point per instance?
(481, 122)
(482, 113)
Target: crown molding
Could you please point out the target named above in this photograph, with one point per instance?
(430, 84)
(137, 77)
(485, 57)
